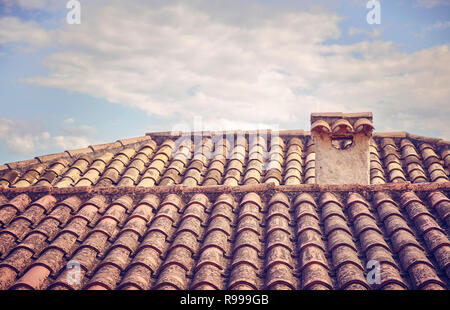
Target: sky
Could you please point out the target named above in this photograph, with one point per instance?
(132, 67)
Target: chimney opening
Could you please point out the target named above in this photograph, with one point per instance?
(342, 143)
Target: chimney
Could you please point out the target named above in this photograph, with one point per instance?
(341, 144)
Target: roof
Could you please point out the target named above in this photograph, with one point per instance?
(283, 158)
(154, 213)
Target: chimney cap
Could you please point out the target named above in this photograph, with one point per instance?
(331, 117)
(336, 121)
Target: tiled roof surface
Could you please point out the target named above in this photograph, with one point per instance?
(284, 159)
(220, 237)
(236, 213)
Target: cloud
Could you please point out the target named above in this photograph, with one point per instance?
(439, 25)
(376, 32)
(47, 5)
(13, 30)
(232, 66)
(431, 3)
(68, 127)
(27, 137)
(32, 4)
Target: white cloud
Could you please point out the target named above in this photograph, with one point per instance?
(70, 120)
(271, 67)
(13, 29)
(431, 3)
(376, 32)
(48, 5)
(439, 25)
(69, 128)
(32, 4)
(28, 137)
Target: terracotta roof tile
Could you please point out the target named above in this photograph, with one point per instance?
(321, 125)
(203, 241)
(78, 152)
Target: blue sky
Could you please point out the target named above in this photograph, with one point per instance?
(136, 66)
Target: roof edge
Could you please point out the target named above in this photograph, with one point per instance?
(76, 152)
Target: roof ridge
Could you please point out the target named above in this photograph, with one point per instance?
(404, 186)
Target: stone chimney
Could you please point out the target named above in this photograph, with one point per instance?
(341, 143)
